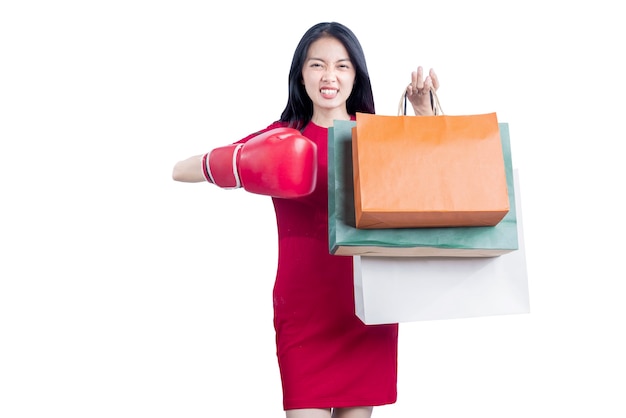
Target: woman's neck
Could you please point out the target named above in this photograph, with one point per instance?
(325, 119)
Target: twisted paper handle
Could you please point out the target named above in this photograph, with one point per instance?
(434, 100)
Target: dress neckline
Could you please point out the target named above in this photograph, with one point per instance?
(352, 118)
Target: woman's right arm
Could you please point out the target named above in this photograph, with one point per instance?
(189, 170)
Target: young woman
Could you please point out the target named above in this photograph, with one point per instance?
(331, 364)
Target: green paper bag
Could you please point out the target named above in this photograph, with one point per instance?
(346, 239)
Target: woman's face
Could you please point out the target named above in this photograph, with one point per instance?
(328, 76)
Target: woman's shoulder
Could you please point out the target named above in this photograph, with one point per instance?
(273, 125)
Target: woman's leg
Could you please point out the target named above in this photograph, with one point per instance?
(308, 413)
(359, 412)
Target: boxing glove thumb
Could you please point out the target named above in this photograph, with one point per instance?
(280, 162)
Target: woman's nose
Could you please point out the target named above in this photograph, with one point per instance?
(329, 75)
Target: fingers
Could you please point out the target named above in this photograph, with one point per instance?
(417, 82)
(417, 78)
(434, 79)
(421, 86)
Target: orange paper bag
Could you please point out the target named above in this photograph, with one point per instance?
(428, 171)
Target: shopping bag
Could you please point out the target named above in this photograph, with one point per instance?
(407, 289)
(346, 239)
(428, 171)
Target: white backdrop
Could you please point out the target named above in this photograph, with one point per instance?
(125, 294)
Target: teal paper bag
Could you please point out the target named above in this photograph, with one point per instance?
(346, 239)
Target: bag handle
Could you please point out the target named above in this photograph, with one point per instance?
(434, 102)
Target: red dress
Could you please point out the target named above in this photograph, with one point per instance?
(326, 355)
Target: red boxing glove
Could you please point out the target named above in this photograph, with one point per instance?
(280, 162)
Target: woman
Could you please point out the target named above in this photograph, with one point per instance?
(331, 364)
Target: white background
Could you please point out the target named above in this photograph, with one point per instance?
(126, 294)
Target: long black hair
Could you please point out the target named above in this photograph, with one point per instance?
(299, 109)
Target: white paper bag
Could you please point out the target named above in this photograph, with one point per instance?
(405, 289)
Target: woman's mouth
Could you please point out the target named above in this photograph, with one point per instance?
(328, 93)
